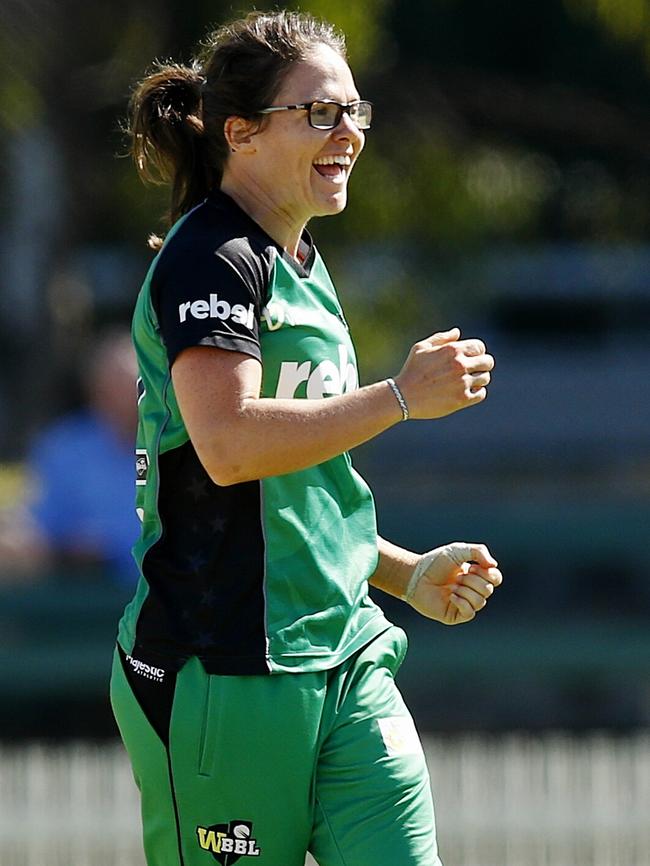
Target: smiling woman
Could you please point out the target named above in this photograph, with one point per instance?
(295, 165)
(273, 725)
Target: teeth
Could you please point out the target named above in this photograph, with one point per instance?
(333, 160)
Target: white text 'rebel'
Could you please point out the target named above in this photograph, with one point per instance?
(216, 309)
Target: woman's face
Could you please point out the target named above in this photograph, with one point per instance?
(289, 153)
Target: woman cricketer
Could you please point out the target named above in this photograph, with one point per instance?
(253, 682)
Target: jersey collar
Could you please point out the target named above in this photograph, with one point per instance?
(307, 247)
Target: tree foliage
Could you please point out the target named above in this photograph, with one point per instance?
(494, 122)
(627, 22)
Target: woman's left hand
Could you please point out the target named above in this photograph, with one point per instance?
(452, 583)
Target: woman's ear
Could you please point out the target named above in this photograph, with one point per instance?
(240, 134)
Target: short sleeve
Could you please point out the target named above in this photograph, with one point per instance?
(204, 296)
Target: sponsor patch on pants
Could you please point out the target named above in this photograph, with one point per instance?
(399, 735)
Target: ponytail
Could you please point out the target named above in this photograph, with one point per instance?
(168, 141)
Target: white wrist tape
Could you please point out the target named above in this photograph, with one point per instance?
(423, 563)
(457, 552)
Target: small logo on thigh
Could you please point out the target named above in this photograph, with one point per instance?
(399, 735)
(228, 842)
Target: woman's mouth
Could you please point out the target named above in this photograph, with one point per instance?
(333, 168)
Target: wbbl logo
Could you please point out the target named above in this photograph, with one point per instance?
(228, 842)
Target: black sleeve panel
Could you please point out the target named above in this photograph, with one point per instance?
(207, 293)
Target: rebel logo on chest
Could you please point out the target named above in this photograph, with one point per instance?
(323, 379)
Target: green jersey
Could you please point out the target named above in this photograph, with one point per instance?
(262, 576)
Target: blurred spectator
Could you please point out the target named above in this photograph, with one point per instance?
(83, 516)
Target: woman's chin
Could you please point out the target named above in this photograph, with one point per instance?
(333, 203)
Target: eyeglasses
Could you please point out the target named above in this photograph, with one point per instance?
(326, 114)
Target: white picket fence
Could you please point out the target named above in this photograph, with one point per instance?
(514, 801)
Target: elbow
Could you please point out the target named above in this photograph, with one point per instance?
(219, 478)
(226, 455)
(225, 470)
(224, 478)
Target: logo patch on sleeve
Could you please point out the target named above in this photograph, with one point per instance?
(228, 842)
(399, 735)
(217, 308)
(141, 466)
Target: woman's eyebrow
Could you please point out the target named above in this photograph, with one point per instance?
(334, 99)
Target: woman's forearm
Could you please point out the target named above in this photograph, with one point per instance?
(277, 436)
(394, 568)
(240, 436)
(265, 437)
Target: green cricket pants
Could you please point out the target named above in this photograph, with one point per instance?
(261, 769)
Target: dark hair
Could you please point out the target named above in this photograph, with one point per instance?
(177, 113)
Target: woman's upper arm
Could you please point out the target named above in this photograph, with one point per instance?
(211, 385)
(206, 295)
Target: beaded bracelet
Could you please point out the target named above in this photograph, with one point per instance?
(400, 398)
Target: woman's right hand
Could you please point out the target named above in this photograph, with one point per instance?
(443, 374)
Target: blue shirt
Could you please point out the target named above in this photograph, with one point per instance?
(85, 477)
